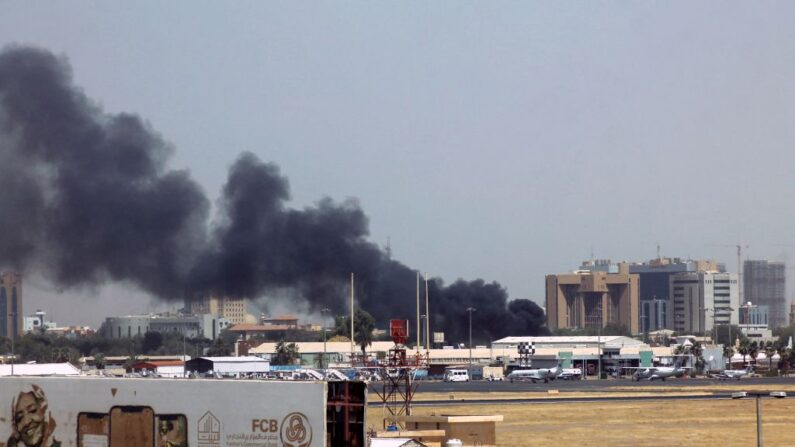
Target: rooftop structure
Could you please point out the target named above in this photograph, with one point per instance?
(585, 341)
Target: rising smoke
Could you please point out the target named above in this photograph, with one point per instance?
(86, 198)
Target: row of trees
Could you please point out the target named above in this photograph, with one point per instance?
(47, 348)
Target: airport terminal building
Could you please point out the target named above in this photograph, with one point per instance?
(574, 351)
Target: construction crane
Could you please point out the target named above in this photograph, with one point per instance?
(739, 248)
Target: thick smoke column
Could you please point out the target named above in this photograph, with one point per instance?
(86, 198)
(84, 195)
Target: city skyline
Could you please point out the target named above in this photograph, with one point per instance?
(480, 143)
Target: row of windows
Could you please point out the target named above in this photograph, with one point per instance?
(132, 426)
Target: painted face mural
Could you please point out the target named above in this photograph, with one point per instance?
(32, 424)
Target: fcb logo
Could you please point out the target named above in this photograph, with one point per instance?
(296, 431)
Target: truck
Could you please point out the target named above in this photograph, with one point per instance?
(131, 412)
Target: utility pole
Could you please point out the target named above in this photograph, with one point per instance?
(427, 317)
(352, 348)
(418, 312)
(184, 364)
(323, 311)
(470, 310)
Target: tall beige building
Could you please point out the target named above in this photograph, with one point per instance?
(233, 309)
(588, 299)
(11, 315)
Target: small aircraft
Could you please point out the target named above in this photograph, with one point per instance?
(545, 374)
(652, 373)
(736, 373)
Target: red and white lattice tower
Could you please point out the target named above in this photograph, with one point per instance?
(397, 387)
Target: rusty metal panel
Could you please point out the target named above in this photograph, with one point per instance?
(93, 429)
(132, 427)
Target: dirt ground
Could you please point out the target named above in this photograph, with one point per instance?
(649, 423)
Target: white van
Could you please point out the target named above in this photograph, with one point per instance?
(456, 375)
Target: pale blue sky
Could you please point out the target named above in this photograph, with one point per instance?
(501, 140)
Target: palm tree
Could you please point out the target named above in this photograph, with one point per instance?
(99, 360)
(769, 351)
(286, 353)
(363, 323)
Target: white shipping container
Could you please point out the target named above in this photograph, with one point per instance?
(102, 412)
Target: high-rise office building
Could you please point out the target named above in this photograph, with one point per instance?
(702, 300)
(792, 314)
(655, 287)
(592, 298)
(656, 299)
(10, 304)
(764, 284)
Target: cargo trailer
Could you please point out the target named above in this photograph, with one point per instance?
(132, 412)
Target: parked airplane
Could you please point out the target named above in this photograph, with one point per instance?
(570, 374)
(545, 374)
(736, 373)
(657, 372)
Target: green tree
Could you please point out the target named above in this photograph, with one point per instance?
(695, 350)
(286, 353)
(363, 326)
(99, 360)
(223, 345)
(152, 342)
(728, 334)
(131, 360)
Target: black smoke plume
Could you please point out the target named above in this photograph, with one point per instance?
(85, 198)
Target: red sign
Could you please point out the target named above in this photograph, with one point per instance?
(399, 330)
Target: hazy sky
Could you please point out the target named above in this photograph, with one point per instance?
(497, 140)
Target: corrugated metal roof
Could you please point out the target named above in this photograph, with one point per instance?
(607, 339)
(234, 359)
(157, 364)
(316, 347)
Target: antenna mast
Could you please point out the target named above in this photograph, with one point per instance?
(352, 344)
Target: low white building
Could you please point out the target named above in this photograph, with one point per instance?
(228, 366)
(162, 368)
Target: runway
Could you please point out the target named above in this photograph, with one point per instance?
(622, 389)
(601, 386)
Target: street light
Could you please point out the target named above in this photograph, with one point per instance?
(423, 317)
(757, 395)
(324, 310)
(470, 310)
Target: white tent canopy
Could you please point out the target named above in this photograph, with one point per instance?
(39, 369)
